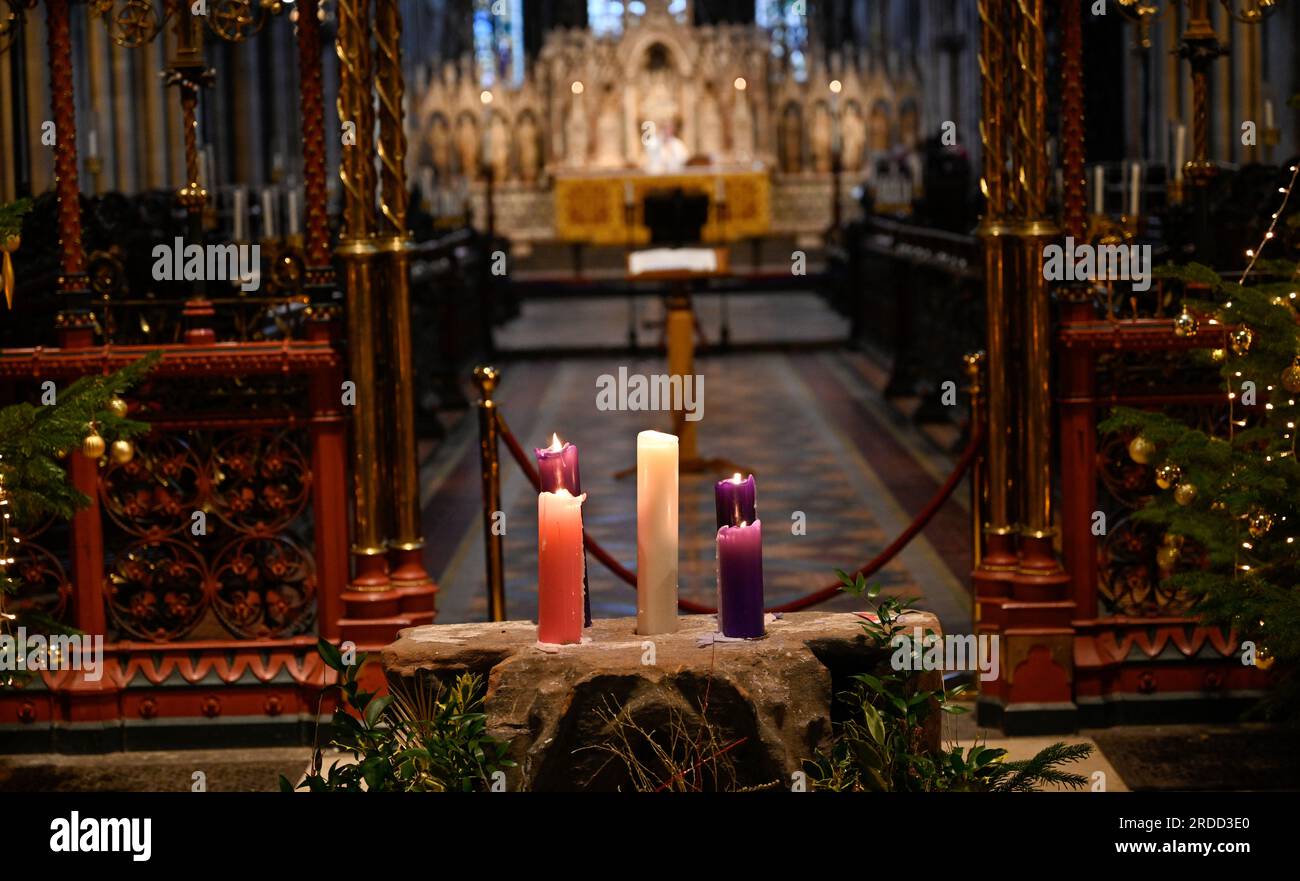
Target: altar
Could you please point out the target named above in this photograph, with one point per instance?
(608, 207)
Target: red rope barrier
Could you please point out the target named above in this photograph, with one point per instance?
(830, 591)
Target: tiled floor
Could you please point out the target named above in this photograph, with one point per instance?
(809, 424)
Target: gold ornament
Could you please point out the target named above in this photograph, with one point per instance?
(1167, 475)
(1185, 493)
(60, 454)
(1242, 337)
(1259, 522)
(118, 407)
(1166, 557)
(93, 446)
(1218, 355)
(1185, 324)
(122, 451)
(1263, 657)
(1291, 377)
(1141, 450)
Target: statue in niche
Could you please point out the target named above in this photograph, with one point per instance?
(577, 138)
(609, 131)
(498, 148)
(792, 139)
(708, 118)
(467, 146)
(854, 137)
(819, 138)
(529, 153)
(909, 126)
(440, 146)
(742, 129)
(658, 90)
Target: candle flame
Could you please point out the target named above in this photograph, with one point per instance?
(736, 479)
(555, 446)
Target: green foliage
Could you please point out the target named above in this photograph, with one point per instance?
(1241, 472)
(424, 738)
(11, 217)
(880, 747)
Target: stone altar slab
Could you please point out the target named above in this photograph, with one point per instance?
(774, 695)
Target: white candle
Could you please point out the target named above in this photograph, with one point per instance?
(268, 213)
(656, 532)
(1180, 150)
(291, 220)
(1268, 114)
(1135, 190)
(1098, 189)
(239, 215)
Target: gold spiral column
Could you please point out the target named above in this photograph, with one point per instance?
(406, 541)
(370, 594)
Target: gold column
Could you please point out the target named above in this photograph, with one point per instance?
(993, 230)
(356, 252)
(406, 541)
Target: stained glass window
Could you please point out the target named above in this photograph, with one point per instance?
(499, 42)
(787, 20)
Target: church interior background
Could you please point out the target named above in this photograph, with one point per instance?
(466, 215)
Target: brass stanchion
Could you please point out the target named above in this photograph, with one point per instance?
(486, 379)
(974, 362)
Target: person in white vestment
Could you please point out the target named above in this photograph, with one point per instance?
(664, 151)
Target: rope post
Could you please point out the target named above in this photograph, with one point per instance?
(974, 362)
(489, 430)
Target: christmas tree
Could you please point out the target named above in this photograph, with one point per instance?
(86, 418)
(1231, 502)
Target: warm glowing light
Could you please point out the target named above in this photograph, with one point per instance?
(740, 84)
(555, 446)
(577, 87)
(485, 96)
(736, 478)
(836, 86)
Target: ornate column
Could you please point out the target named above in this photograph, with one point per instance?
(1201, 47)
(74, 319)
(999, 558)
(316, 238)
(370, 595)
(406, 540)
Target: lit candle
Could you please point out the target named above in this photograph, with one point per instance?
(557, 466)
(740, 580)
(560, 567)
(735, 501)
(656, 532)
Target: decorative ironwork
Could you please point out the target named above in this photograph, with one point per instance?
(157, 589)
(264, 586)
(134, 23)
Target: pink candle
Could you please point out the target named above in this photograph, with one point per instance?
(560, 567)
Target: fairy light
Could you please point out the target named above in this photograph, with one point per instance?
(1253, 253)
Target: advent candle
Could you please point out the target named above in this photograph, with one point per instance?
(735, 501)
(560, 567)
(656, 532)
(740, 580)
(557, 466)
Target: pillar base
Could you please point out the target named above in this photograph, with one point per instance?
(415, 588)
(992, 577)
(1039, 577)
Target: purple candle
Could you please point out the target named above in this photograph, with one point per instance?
(740, 580)
(557, 466)
(735, 500)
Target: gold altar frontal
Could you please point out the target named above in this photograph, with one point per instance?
(591, 207)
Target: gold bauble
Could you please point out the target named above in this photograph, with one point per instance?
(1242, 337)
(1167, 475)
(1263, 657)
(1141, 450)
(1259, 522)
(93, 446)
(1185, 493)
(1185, 324)
(1291, 378)
(1166, 557)
(1217, 355)
(122, 451)
(60, 454)
(1173, 540)
(118, 406)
